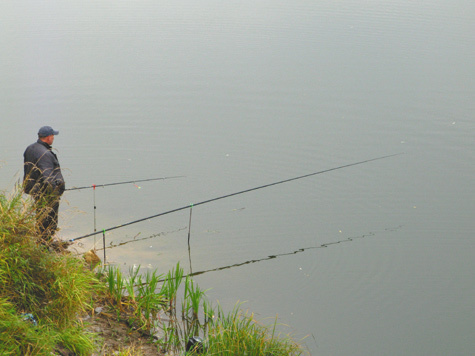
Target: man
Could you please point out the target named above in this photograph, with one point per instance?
(44, 182)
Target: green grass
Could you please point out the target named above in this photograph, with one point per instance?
(58, 288)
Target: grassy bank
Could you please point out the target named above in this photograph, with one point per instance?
(49, 299)
(41, 293)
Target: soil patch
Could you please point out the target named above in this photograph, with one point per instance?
(114, 336)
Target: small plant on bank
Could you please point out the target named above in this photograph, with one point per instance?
(238, 333)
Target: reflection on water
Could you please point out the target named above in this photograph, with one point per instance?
(137, 238)
(300, 250)
(115, 244)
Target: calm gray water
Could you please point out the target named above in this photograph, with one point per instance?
(237, 94)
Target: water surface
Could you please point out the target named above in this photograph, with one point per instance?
(371, 259)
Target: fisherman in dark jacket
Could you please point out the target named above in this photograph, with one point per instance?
(44, 182)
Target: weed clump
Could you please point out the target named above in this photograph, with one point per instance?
(238, 333)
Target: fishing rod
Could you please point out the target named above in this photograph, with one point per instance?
(94, 186)
(232, 194)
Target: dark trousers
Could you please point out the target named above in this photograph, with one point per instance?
(47, 208)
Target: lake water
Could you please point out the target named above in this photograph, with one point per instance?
(373, 259)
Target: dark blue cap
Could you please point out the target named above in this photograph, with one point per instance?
(46, 131)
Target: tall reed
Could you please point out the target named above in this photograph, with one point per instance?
(171, 285)
(192, 299)
(115, 285)
(149, 301)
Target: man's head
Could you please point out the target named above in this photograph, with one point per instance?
(46, 134)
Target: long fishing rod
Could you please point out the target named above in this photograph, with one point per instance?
(119, 183)
(233, 194)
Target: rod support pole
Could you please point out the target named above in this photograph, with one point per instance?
(104, 244)
(189, 224)
(94, 199)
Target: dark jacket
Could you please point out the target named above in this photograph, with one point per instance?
(42, 170)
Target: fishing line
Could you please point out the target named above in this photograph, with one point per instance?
(234, 194)
(94, 186)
